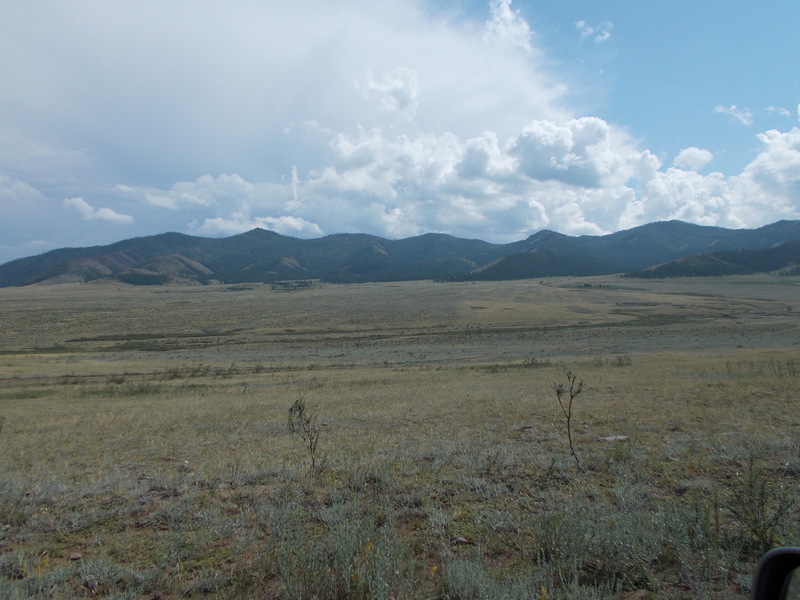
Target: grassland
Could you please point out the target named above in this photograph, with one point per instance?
(144, 448)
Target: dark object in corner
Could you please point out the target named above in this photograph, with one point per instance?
(777, 576)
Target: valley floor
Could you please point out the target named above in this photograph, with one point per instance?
(144, 448)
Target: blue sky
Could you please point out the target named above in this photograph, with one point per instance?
(664, 65)
(488, 120)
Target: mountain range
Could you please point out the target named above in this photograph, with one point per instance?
(666, 248)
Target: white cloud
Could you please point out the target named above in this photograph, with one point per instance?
(769, 187)
(767, 190)
(777, 166)
(291, 226)
(316, 117)
(16, 192)
(88, 213)
(229, 86)
(483, 157)
(578, 177)
(161, 200)
(395, 91)
(571, 176)
(206, 191)
(223, 204)
(599, 34)
(507, 27)
(21, 201)
(779, 111)
(580, 152)
(743, 116)
(687, 196)
(31, 222)
(693, 158)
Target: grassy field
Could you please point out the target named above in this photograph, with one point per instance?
(145, 452)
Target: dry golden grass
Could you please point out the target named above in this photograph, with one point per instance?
(145, 430)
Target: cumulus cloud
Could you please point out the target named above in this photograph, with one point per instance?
(571, 176)
(769, 187)
(482, 157)
(88, 213)
(580, 152)
(598, 34)
(767, 190)
(778, 164)
(687, 196)
(693, 158)
(743, 116)
(578, 177)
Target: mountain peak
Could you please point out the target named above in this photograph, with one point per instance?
(259, 232)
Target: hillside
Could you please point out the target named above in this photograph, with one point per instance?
(264, 256)
(783, 258)
(629, 250)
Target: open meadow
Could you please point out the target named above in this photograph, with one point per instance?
(148, 449)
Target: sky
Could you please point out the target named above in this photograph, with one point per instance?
(486, 119)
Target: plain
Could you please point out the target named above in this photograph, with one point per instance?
(147, 450)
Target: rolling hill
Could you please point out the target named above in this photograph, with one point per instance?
(264, 256)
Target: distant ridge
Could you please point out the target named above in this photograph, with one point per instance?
(266, 256)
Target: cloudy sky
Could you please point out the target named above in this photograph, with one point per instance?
(485, 119)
